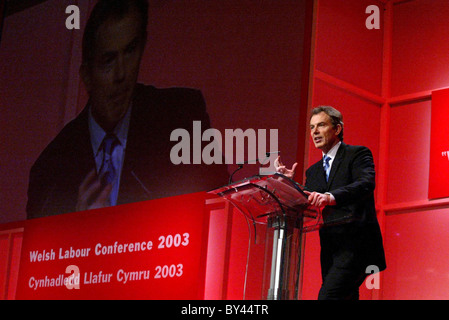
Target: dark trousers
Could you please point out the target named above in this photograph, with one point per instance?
(341, 284)
(342, 267)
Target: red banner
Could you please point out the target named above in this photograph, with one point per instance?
(146, 250)
(439, 146)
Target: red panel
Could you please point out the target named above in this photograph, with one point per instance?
(420, 60)
(311, 273)
(408, 169)
(173, 266)
(217, 254)
(416, 259)
(16, 244)
(4, 263)
(439, 146)
(10, 249)
(345, 48)
(238, 258)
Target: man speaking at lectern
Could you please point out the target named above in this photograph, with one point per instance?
(342, 184)
(117, 150)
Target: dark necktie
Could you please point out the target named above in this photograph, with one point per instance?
(107, 170)
(326, 166)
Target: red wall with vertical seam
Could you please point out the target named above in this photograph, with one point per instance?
(351, 64)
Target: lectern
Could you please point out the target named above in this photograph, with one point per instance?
(277, 206)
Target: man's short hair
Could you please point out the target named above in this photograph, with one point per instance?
(334, 114)
(104, 10)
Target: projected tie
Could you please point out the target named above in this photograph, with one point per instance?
(107, 169)
(326, 166)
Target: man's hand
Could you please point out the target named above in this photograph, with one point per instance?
(280, 167)
(92, 194)
(319, 199)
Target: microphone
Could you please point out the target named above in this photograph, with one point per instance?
(240, 165)
(148, 193)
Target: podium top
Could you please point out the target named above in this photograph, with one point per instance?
(262, 197)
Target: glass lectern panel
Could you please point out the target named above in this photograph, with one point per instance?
(259, 197)
(276, 210)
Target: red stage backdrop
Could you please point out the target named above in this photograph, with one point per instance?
(146, 250)
(439, 146)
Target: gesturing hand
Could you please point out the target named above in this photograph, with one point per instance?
(92, 194)
(280, 167)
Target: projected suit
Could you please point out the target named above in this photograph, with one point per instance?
(147, 170)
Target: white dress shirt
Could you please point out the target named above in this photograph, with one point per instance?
(97, 135)
(332, 153)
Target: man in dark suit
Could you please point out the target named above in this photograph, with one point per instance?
(343, 183)
(118, 149)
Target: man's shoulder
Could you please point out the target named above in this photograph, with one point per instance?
(354, 147)
(70, 139)
(353, 150)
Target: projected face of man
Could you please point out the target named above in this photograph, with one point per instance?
(111, 76)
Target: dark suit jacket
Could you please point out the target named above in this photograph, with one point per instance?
(147, 171)
(353, 219)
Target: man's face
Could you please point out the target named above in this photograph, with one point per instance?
(323, 133)
(112, 75)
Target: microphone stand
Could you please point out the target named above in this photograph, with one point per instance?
(240, 165)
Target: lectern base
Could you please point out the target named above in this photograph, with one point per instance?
(284, 271)
(278, 294)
